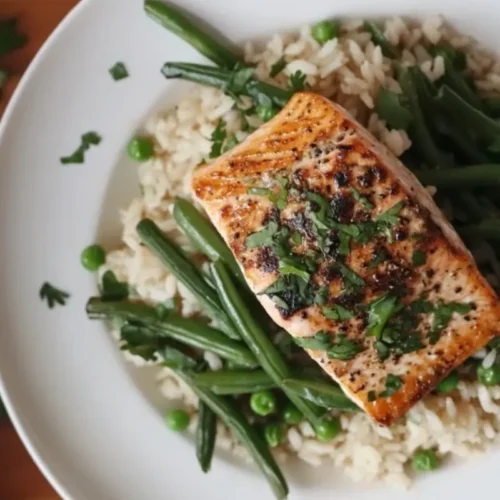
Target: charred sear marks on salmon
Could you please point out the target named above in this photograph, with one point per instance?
(347, 252)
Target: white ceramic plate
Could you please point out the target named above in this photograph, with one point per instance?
(91, 424)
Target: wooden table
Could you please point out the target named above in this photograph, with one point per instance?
(19, 477)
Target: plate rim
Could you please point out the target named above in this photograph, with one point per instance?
(42, 464)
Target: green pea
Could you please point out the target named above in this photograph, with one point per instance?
(263, 403)
(93, 257)
(265, 113)
(274, 434)
(425, 460)
(449, 383)
(140, 149)
(177, 420)
(324, 31)
(489, 376)
(292, 415)
(327, 430)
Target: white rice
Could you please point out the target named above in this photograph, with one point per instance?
(349, 70)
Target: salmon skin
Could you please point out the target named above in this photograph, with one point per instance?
(347, 251)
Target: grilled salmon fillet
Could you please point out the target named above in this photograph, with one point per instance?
(347, 251)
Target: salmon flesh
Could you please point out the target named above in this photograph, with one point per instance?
(348, 252)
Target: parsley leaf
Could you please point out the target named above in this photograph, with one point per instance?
(362, 199)
(278, 67)
(289, 266)
(348, 274)
(140, 341)
(392, 384)
(218, 137)
(118, 71)
(78, 156)
(54, 296)
(337, 313)
(238, 81)
(344, 348)
(379, 255)
(391, 216)
(111, 288)
(320, 342)
(418, 258)
(443, 314)
(380, 312)
(262, 237)
(297, 81)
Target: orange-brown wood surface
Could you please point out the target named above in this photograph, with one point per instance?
(19, 477)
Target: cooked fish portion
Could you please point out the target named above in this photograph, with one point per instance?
(348, 252)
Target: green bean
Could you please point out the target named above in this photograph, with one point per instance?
(492, 106)
(186, 272)
(457, 82)
(188, 331)
(235, 381)
(469, 177)
(427, 91)
(225, 409)
(468, 115)
(176, 22)
(206, 433)
(201, 232)
(221, 78)
(419, 132)
(379, 39)
(488, 229)
(323, 394)
(259, 343)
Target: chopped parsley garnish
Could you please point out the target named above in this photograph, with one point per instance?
(118, 71)
(320, 342)
(239, 79)
(111, 288)
(296, 238)
(380, 312)
(297, 81)
(262, 237)
(87, 140)
(348, 274)
(289, 266)
(140, 341)
(365, 203)
(337, 313)
(379, 255)
(54, 296)
(339, 347)
(391, 216)
(279, 197)
(371, 396)
(442, 315)
(418, 258)
(344, 348)
(344, 247)
(278, 67)
(392, 385)
(218, 137)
